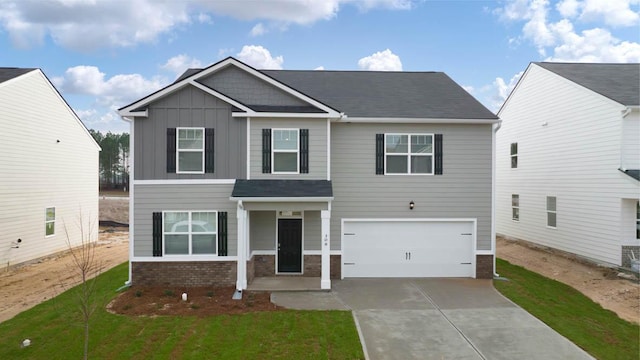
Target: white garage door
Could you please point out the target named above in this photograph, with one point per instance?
(408, 248)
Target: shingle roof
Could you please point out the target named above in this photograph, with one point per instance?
(633, 173)
(282, 188)
(386, 93)
(383, 94)
(619, 82)
(8, 73)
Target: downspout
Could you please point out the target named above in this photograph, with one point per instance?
(495, 127)
(131, 190)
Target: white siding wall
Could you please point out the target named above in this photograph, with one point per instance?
(36, 171)
(575, 157)
(631, 141)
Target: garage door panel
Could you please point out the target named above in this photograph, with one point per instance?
(408, 249)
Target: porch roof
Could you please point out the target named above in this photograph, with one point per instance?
(282, 189)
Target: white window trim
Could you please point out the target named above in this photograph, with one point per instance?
(409, 154)
(178, 150)
(511, 156)
(190, 234)
(273, 152)
(515, 207)
(49, 221)
(546, 200)
(637, 218)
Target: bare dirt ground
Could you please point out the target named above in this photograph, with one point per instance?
(600, 284)
(114, 209)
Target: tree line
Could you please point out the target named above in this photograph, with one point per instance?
(114, 159)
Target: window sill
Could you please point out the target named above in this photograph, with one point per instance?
(189, 172)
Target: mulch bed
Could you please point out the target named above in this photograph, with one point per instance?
(201, 301)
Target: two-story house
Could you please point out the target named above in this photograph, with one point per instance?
(568, 160)
(241, 173)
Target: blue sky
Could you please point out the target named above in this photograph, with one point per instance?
(102, 55)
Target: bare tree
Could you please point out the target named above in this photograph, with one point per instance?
(87, 267)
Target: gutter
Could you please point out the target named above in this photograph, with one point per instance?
(495, 128)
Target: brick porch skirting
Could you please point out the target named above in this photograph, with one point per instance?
(265, 266)
(196, 273)
(484, 266)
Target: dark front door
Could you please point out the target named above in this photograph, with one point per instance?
(289, 245)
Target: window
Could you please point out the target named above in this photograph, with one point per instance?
(551, 211)
(285, 151)
(515, 207)
(190, 150)
(514, 155)
(638, 220)
(190, 232)
(50, 221)
(408, 154)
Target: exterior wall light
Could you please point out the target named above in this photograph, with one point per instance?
(411, 205)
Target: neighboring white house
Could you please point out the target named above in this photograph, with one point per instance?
(48, 170)
(568, 160)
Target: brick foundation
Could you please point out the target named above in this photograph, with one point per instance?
(627, 252)
(265, 266)
(196, 273)
(484, 266)
(250, 270)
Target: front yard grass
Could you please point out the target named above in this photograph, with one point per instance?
(55, 330)
(598, 331)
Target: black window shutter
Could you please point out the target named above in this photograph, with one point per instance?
(171, 150)
(222, 233)
(209, 147)
(304, 151)
(437, 142)
(379, 154)
(157, 234)
(266, 151)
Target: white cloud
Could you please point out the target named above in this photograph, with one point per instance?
(204, 18)
(381, 61)
(179, 63)
(594, 45)
(319, 68)
(258, 30)
(468, 88)
(568, 8)
(613, 13)
(259, 57)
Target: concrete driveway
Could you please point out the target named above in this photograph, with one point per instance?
(437, 319)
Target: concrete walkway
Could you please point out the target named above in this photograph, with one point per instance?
(437, 319)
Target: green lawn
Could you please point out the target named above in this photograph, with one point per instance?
(55, 330)
(598, 331)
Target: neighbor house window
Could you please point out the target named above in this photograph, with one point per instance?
(515, 207)
(190, 232)
(286, 152)
(408, 153)
(50, 221)
(638, 220)
(190, 150)
(514, 155)
(551, 211)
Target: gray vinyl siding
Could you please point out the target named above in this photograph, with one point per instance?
(463, 191)
(190, 107)
(317, 147)
(312, 230)
(262, 232)
(156, 198)
(246, 88)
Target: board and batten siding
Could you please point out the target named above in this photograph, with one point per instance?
(48, 160)
(190, 107)
(463, 191)
(263, 230)
(157, 198)
(569, 146)
(317, 147)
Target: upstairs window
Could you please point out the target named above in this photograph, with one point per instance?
(408, 154)
(286, 151)
(190, 150)
(515, 207)
(50, 221)
(514, 155)
(551, 211)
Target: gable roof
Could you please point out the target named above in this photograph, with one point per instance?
(8, 73)
(380, 94)
(618, 82)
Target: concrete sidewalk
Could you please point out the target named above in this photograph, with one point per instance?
(437, 319)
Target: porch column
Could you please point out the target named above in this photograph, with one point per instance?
(325, 279)
(241, 282)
